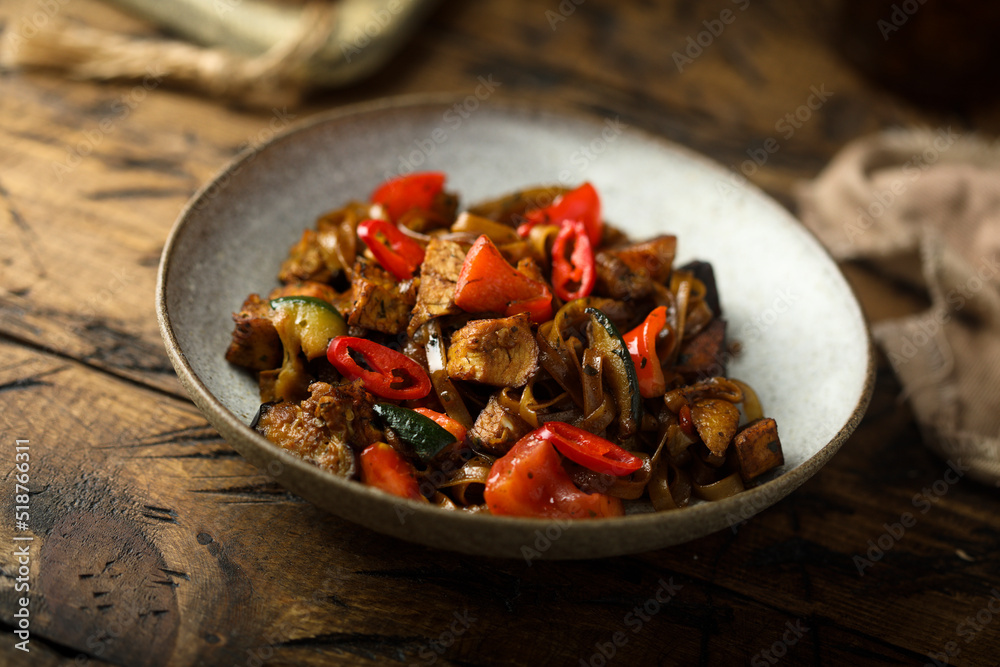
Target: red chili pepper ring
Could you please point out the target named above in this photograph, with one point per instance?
(394, 375)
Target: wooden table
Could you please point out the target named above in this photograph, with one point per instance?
(156, 544)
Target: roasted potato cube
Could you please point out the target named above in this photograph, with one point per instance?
(758, 448)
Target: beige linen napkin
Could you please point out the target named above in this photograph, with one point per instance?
(936, 193)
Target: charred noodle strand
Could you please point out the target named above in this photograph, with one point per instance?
(554, 358)
(751, 402)
(724, 488)
(601, 418)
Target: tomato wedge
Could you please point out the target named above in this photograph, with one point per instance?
(589, 450)
(581, 204)
(529, 480)
(396, 252)
(400, 194)
(393, 374)
(384, 468)
(488, 283)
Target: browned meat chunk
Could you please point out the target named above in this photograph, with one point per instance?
(704, 354)
(380, 303)
(629, 271)
(758, 448)
(438, 277)
(327, 428)
(502, 352)
(255, 342)
(496, 430)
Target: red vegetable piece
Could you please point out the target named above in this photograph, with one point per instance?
(529, 480)
(488, 283)
(641, 343)
(384, 468)
(403, 193)
(581, 204)
(685, 421)
(396, 252)
(393, 374)
(445, 422)
(573, 276)
(589, 450)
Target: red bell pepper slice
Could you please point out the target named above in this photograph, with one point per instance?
(384, 468)
(445, 422)
(581, 204)
(393, 374)
(396, 252)
(488, 283)
(529, 480)
(400, 194)
(589, 450)
(641, 343)
(573, 276)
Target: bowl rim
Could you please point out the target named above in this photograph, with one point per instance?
(232, 428)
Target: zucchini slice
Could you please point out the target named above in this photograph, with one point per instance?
(619, 371)
(424, 434)
(313, 321)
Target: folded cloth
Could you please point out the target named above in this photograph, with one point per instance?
(937, 194)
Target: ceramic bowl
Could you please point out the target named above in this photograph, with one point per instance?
(805, 344)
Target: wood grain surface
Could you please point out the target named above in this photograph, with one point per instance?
(156, 544)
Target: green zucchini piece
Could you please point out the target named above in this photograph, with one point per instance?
(619, 371)
(313, 321)
(424, 434)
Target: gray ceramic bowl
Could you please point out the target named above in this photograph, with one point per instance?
(805, 343)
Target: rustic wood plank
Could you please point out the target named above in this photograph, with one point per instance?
(157, 544)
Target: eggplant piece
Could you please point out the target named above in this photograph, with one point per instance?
(704, 354)
(704, 272)
(758, 448)
(255, 343)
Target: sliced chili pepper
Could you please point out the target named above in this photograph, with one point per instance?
(641, 343)
(529, 480)
(488, 282)
(589, 450)
(685, 421)
(581, 204)
(393, 374)
(384, 468)
(573, 276)
(445, 422)
(401, 257)
(400, 194)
